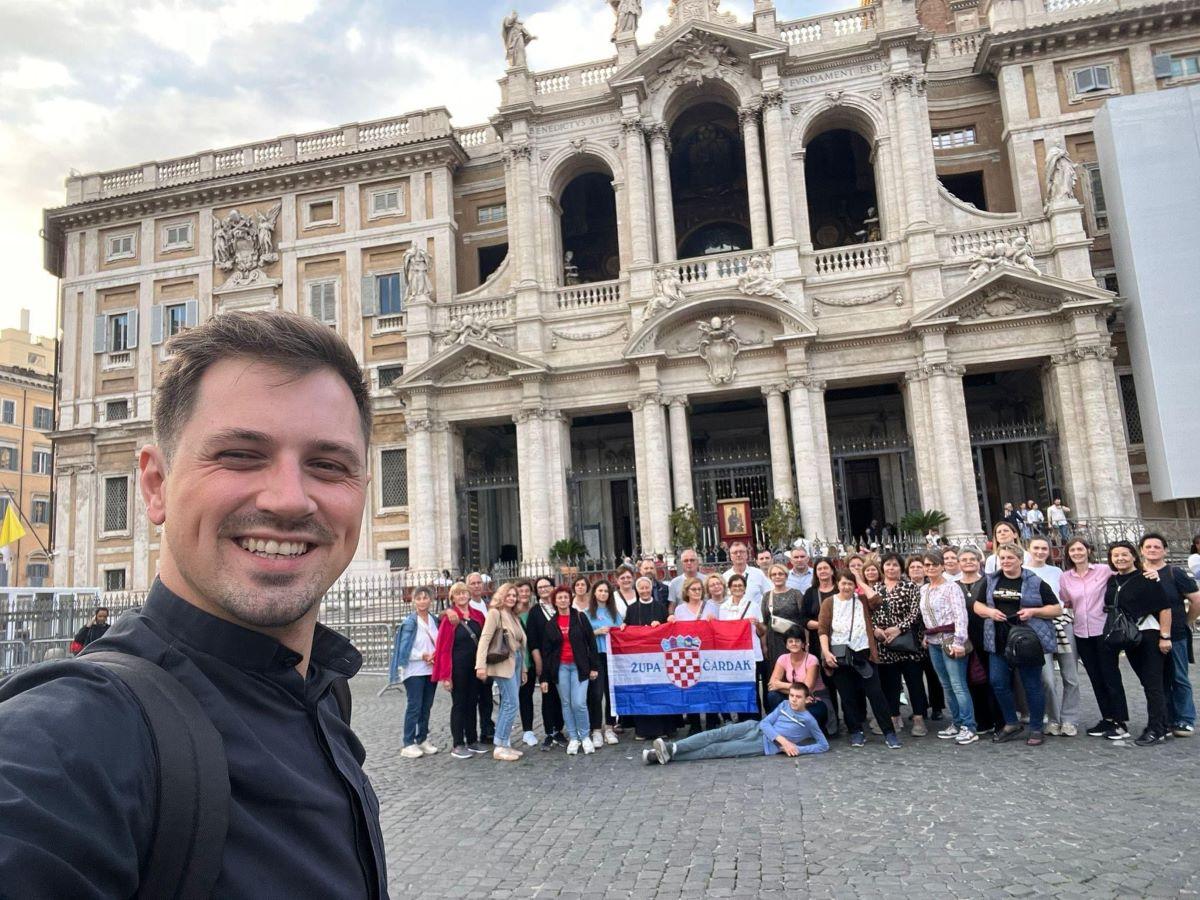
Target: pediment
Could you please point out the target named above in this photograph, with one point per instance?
(1009, 292)
(469, 362)
(761, 321)
(692, 50)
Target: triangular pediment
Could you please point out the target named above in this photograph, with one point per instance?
(692, 50)
(1011, 292)
(470, 361)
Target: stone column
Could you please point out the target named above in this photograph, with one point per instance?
(557, 434)
(638, 187)
(759, 230)
(781, 463)
(642, 465)
(681, 452)
(1095, 369)
(939, 414)
(422, 494)
(447, 454)
(800, 201)
(664, 207)
(824, 459)
(810, 447)
(904, 86)
(777, 167)
(658, 493)
(531, 485)
(520, 158)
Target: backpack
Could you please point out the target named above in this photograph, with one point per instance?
(1023, 647)
(192, 814)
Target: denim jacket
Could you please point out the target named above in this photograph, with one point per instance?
(406, 635)
(1031, 595)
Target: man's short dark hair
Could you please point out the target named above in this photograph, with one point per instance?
(100, 609)
(1152, 536)
(298, 345)
(800, 686)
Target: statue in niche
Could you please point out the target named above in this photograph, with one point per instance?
(244, 246)
(758, 281)
(627, 13)
(719, 346)
(1061, 176)
(516, 38)
(416, 274)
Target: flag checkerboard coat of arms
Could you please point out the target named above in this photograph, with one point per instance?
(682, 655)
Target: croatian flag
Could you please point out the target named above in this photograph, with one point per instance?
(683, 667)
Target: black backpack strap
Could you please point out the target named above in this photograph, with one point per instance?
(192, 814)
(340, 688)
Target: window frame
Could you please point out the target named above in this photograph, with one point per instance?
(491, 219)
(310, 223)
(105, 570)
(379, 310)
(105, 532)
(1179, 58)
(167, 245)
(335, 282)
(1078, 96)
(380, 506)
(49, 415)
(33, 501)
(394, 545)
(952, 133)
(401, 203)
(1123, 372)
(37, 452)
(1095, 216)
(7, 447)
(8, 412)
(379, 383)
(129, 408)
(116, 256)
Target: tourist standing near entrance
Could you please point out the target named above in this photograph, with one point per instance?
(92, 631)
(529, 685)
(780, 610)
(1056, 518)
(896, 618)
(757, 583)
(1185, 608)
(416, 643)
(502, 659)
(796, 665)
(569, 649)
(1062, 706)
(689, 561)
(988, 717)
(602, 616)
(945, 616)
(801, 576)
(1140, 596)
(454, 669)
(479, 604)
(539, 626)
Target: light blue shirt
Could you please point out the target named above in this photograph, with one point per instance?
(604, 619)
(798, 582)
(796, 727)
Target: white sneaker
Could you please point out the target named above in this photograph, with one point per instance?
(412, 751)
(529, 739)
(949, 732)
(1069, 730)
(573, 748)
(597, 740)
(1053, 728)
(428, 749)
(610, 736)
(966, 736)
(588, 746)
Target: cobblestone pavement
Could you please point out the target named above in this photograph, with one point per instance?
(1078, 817)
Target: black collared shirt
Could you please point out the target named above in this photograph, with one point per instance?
(77, 777)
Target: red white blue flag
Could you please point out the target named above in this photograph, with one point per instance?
(683, 667)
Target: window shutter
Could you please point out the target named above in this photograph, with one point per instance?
(1162, 65)
(132, 339)
(100, 337)
(1103, 76)
(156, 324)
(330, 305)
(191, 313)
(314, 300)
(370, 296)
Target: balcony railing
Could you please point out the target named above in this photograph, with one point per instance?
(480, 310)
(712, 268)
(971, 243)
(824, 28)
(854, 259)
(575, 78)
(589, 296)
(384, 324)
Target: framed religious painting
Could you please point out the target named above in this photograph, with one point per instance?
(733, 519)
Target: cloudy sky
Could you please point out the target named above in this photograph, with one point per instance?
(89, 85)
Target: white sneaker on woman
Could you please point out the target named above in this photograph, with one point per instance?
(597, 739)
(529, 739)
(428, 749)
(949, 732)
(573, 748)
(588, 746)
(412, 751)
(610, 736)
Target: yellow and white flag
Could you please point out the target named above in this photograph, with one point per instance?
(11, 530)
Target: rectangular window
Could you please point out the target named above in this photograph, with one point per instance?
(116, 410)
(174, 319)
(42, 461)
(1095, 188)
(8, 412)
(397, 557)
(389, 375)
(393, 478)
(177, 237)
(118, 332)
(36, 574)
(322, 301)
(39, 511)
(955, 137)
(1133, 415)
(3, 507)
(1185, 66)
(10, 458)
(387, 203)
(1092, 79)
(322, 212)
(495, 213)
(120, 246)
(391, 294)
(43, 418)
(116, 504)
(114, 579)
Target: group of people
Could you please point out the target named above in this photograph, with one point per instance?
(1030, 520)
(996, 640)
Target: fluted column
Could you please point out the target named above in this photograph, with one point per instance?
(810, 447)
(1095, 370)
(642, 465)
(904, 88)
(759, 229)
(681, 452)
(800, 200)
(664, 207)
(556, 430)
(635, 167)
(422, 495)
(520, 157)
(938, 413)
(654, 461)
(777, 167)
(777, 431)
(824, 459)
(531, 484)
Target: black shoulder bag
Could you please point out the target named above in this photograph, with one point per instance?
(1120, 631)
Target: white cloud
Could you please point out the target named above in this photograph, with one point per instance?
(32, 74)
(194, 30)
(354, 39)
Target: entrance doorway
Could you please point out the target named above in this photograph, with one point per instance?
(603, 485)
(488, 499)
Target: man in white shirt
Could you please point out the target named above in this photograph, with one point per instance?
(757, 583)
(689, 560)
(1056, 517)
(475, 586)
(800, 578)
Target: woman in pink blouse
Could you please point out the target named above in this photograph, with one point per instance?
(944, 612)
(1081, 591)
(798, 665)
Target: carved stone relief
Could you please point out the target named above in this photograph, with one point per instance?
(243, 246)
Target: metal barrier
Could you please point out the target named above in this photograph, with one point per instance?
(14, 655)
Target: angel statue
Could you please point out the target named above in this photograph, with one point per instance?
(516, 38)
(627, 12)
(1020, 254)
(416, 274)
(1060, 176)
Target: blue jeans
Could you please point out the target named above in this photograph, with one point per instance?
(510, 698)
(738, 739)
(1181, 707)
(1000, 674)
(952, 673)
(1064, 532)
(572, 693)
(420, 690)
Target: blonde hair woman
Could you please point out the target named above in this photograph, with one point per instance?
(453, 667)
(508, 672)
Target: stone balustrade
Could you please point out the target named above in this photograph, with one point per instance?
(953, 51)
(819, 29)
(965, 244)
(480, 310)
(589, 296)
(852, 260)
(476, 136)
(576, 78)
(720, 267)
(412, 127)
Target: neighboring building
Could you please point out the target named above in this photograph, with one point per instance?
(839, 260)
(26, 451)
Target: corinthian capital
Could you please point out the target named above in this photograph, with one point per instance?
(772, 99)
(748, 115)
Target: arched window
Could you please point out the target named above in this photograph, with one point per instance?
(588, 229)
(839, 174)
(708, 181)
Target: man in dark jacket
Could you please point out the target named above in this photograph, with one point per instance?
(258, 478)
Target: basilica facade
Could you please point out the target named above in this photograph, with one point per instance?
(857, 261)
